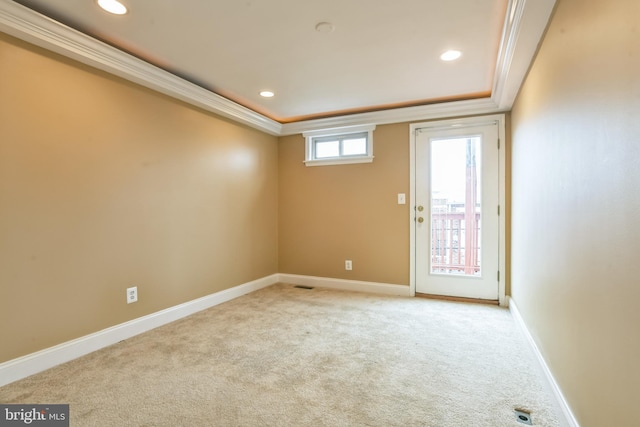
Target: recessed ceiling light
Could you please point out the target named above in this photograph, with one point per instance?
(451, 55)
(113, 6)
(267, 94)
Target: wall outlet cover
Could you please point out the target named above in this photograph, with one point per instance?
(132, 294)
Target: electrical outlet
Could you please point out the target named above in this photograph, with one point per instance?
(132, 294)
(348, 265)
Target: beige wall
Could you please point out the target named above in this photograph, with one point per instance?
(329, 214)
(104, 185)
(576, 206)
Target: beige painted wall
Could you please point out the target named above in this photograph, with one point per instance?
(332, 213)
(104, 185)
(576, 206)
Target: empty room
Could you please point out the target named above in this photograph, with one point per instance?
(321, 213)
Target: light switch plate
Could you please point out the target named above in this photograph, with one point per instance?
(402, 199)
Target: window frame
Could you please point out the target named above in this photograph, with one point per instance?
(340, 134)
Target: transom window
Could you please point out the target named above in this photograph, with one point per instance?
(338, 146)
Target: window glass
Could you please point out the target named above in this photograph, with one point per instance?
(353, 147)
(326, 149)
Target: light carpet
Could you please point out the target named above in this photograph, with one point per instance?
(285, 356)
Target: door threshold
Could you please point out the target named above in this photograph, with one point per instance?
(458, 299)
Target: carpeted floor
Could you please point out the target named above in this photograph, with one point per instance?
(285, 356)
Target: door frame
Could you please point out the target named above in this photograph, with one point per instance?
(452, 123)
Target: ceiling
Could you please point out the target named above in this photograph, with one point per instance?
(380, 56)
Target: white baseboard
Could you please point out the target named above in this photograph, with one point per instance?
(33, 363)
(570, 420)
(346, 285)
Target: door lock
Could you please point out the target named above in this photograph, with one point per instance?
(420, 208)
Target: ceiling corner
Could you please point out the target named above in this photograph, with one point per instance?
(30, 26)
(524, 27)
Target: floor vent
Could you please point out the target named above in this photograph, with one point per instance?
(303, 287)
(523, 417)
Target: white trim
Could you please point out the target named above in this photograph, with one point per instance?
(341, 132)
(397, 115)
(524, 27)
(469, 121)
(339, 161)
(346, 285)
(570, 420)
(413, 130)
(28, 25)
(502, 251)
(520, 40)
(33, 363)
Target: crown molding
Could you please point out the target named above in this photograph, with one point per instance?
(524, 27)
(30, 26)
(397, 115)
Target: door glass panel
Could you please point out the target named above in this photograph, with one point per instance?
(456, 206)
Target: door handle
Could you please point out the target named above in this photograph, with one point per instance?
(420, 219)
(420, 208)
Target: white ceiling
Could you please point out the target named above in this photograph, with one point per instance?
(381, 56)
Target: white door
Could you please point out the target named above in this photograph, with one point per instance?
(457, 183)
